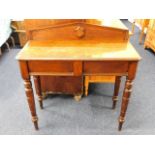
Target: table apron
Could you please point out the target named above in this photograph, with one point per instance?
(77, 68)
(106, 67)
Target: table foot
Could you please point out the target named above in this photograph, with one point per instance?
(35, 121)
(120, 126)
(36, 125)
(121, 121)
(41, 104)
(77, 97)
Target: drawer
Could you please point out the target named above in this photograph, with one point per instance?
(53, 67)
(96, 67)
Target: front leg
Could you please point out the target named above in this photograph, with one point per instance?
(125, 101)
(31, 102)
(127, 92)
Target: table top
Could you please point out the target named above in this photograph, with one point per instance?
(78, 50)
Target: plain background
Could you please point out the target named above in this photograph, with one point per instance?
(110, 9)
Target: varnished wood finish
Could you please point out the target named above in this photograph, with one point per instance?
(89, 32)
(54, 67)
(127, 92)
(71, 30)
(69, 85)
(79, 57)
(29, 92)
(105, 79)
(98, 67)
(64, 84)
(38, 90)
(56, 50)
(116, 90)
(34, 24)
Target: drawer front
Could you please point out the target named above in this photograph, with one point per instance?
(92, 67)
(54, 67)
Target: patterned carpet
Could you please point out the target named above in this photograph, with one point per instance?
(92, 115)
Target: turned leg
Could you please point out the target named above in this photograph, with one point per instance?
(77, 97)
(125, 101)
(31, 102)
(38, 90)
(116, 90)
(86, 85)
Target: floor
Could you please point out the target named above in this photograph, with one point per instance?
(92, 115)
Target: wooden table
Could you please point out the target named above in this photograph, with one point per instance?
(53, 29)
(78, 57)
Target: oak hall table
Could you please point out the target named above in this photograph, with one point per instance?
(79, 57)
(43, 29)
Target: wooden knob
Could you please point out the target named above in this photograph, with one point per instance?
(80, 31)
